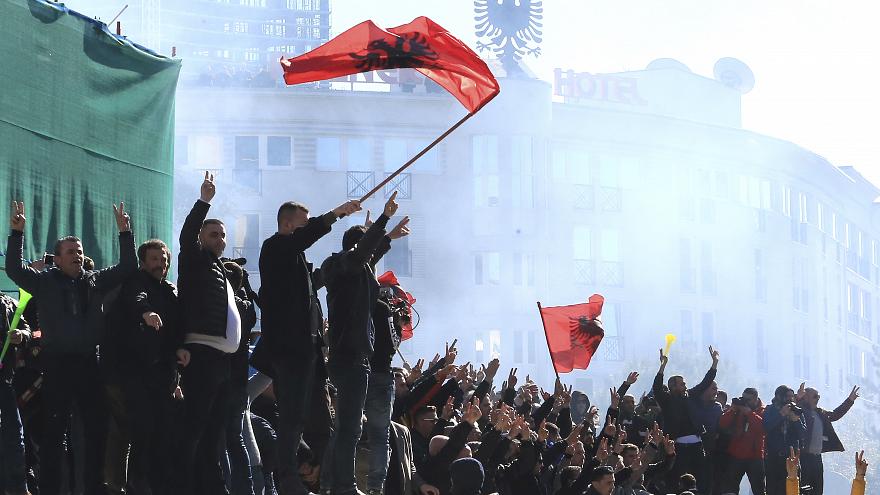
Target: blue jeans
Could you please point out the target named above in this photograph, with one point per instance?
(337, 470)
(11, 441)
(238, 470)
(380, 397)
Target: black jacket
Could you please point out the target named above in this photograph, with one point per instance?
(352, 291)
(287, 295)
(71, 311)
(7, 310)
(201, 279)
(676, 410)
(141, 349)
(387, 335)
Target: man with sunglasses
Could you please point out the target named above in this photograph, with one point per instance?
(820, 437)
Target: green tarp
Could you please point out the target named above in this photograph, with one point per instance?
(86, 120)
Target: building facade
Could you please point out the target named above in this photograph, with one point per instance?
(641, 186)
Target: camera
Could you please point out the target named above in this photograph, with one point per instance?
(49, 259)
(795, 409)
(738, 401)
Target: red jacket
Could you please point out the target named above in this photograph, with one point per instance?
(746, 443)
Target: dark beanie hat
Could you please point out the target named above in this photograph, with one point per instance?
(467, 476)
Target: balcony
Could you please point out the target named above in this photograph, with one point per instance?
(611, 349)
(358, 184)
(584, 272)
(611, 273)
(402, 184)
(583, 197)
(610, 199)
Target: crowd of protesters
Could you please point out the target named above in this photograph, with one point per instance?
(121, 382)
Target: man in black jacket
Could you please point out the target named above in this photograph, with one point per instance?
(149, 334)
(292, 326)
(212, 327)
(680, 424)
(380, 391)
(71, 316)
(352, 292)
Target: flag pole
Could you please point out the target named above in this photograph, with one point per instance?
(547, 338)
(418, 155)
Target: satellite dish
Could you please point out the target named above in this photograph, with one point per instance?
(734, 74)
(668, 63)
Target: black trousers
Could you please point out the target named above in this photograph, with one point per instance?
(737, 468)
(774, 466)
(690, 458)
(293, 385)
(205, 384)
(149, 405)
(69, 379)
(812, 472)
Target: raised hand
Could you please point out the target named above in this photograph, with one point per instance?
(610, 429)
(602, 453)
(400, 230)
(861, 465)
(17, 219)
(615, 398)
(714, 355)
(472, 413)
(434, 361)
(802, 391)
(492, 369)
(511, 378)
(669, 445)
(391, 205)
(367, 221)
(574, 435)
(123, 221)
(448, 408)
(854, 394)
(664, 360)
(633, 377)
(451, 352)
(208, 189)
(546, 395)
(792, 463)
(152, 319)
(349, 208)
(444, 372)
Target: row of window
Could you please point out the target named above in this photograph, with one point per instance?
(298, 5)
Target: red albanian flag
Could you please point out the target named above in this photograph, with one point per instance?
(573, 333)
(422, 45)
(400, 299)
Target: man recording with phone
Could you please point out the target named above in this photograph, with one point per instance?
(786, 427)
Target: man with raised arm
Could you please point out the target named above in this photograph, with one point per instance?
(290, 345)
(212, 329)
(679, 423)
(70, 315)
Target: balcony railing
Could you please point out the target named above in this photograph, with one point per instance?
(611, 273)
(583, 197)
(610, 199)
(358, 184)
(612, 349)
(402, 184)
(584, 272)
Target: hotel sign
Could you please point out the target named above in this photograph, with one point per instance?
(610, 88)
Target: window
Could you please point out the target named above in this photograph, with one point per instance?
(399, 259)
(531, 347)
(708, 328)
(820, 216)
(517, 346)
(611, 319)
(429, 163)
(522, 178)
(247, 236)
(786, 201)
(687, 281)
(707, 271)
(610, 248)
(524, 269)
(760, 279)
(487, 268)
(687, 325)
(207, 152)
(181, 151)
(582, 243)
(395, 153)
(359, 154)
(278, 151)
(802, 201)
(247, 152)
(487, 182)
(327, 155)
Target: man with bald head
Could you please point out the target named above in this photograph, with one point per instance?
(820, 436)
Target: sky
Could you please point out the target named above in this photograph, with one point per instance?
(816, 73)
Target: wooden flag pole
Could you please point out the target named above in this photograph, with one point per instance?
(418, 155)
(547, 338)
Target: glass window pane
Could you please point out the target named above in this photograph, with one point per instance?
(278, 151)
(327, 156)
(395, 154)
(359, 154)
(582, 243)
(247, 152)
(610, 245)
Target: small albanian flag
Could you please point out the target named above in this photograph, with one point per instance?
(401, 303)
(573, 333)
(422, 45)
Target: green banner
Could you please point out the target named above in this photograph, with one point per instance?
(86, 120)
